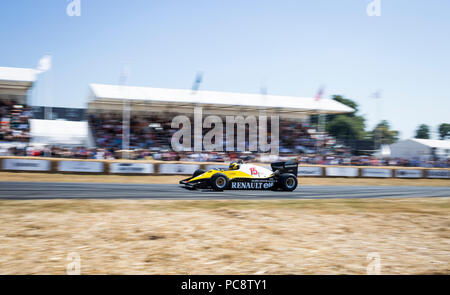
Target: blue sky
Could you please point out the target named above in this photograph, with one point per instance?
(292, 46)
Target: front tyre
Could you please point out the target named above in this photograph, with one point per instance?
(219, 182)
(288, 182)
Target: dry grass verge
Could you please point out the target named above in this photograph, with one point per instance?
(411, 236)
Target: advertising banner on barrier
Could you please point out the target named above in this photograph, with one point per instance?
(178, 168)
(376, 172)
(309, 171)
(438, 173)
(26, 165)
(142, 168)
(80, 166)
(218, 166)
(407, 173)
(342, 171)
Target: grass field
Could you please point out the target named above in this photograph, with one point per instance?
(46, 177)
(411, 236)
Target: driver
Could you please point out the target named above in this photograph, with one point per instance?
(233, 166)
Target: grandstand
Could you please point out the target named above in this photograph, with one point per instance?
(152, 110)
(15, 84)
(96, 132)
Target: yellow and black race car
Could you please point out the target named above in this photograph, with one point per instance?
(245, 176)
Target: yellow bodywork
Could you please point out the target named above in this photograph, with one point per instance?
(229, 173)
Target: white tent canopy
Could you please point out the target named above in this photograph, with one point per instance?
(420, 148)
(383, 152)
(434, 143)
(110, 94)
(59, 132)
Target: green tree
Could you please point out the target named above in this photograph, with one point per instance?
(347, 102)
(444, 130)
(423, 131)
(347, 127)
(382, 134)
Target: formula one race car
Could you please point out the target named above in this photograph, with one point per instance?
(245, 176)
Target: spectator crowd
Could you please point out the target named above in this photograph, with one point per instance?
(150, 137)
(154, 132)
(14, 125)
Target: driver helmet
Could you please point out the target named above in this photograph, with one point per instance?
(233, 166)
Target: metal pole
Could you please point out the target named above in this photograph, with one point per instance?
(47, 103)
(126, 129)
(322, 122)
(380, 114)
(125, 117)
(47, 153)
(375, 131)
(377, 134)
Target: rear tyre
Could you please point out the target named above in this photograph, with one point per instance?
(198, 172)
(219, 182)
(288, 182)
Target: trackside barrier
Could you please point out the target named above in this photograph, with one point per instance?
(26, 165)
(310, 171)
(376, 172)
(144, 167)
(408, 173)
(182, 169)
(214, 166)
(342, 171)
(131, 168)
(441, 173)
(81, 166)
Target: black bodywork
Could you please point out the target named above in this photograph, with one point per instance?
(270, 183)
(285, 167)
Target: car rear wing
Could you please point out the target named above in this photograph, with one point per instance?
(285, 167)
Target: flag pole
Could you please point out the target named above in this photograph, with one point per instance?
(44, 65)
(125, 117)
(321, 119)
(378, 135)
(380, 114)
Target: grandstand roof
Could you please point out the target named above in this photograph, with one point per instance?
(102, 92)
(17, 74)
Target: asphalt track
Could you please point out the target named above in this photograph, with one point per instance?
(38, 190)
